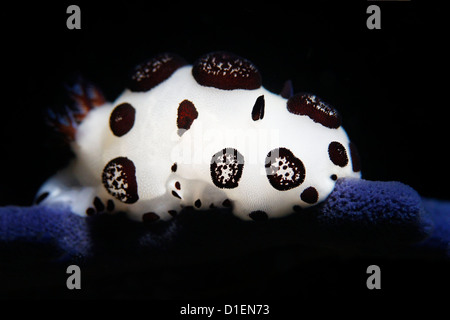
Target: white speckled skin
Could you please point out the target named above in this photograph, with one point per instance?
(224, 121)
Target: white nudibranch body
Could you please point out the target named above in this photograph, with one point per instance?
(206, 135)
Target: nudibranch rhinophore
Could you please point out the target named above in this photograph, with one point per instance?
(206, 135)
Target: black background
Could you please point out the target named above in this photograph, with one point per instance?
(384, 82)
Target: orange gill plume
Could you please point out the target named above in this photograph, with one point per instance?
(83, 97)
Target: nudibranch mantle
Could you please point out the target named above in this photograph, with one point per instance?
(206, 135)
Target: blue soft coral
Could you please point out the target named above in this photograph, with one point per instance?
(363, 211)
(358, 212)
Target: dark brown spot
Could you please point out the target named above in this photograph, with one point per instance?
(187, 113)
(259, 215)
(227, 177)
(310, 195)
(314, 108)
(280, 178)
(42, 197)
(150, 217)
(119, 179)
(173, 213)
(110, 205)
(90, 211)
(226, 71)
(258, 109)
(334, 177)
(356, 160)
(152, 72)
(226, 203)
(198, 203)
(98, 204)
(337, 154)
(212, 206)
(122, 119)
(174, 167)
(177, 185)
(176, 195)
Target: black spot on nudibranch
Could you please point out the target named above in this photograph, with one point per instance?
(310, 195)
(316, 109)
(227, 71)
(110, 205)
(174, 167)
(173, 213)
(226, 168)
(284, 170)
(227, 203)
(98, 204)
(122, 119)
(176, 195)
(187, 113)
(337, 154)
(258, 109)
(259, 215)
(150, 217)
(42, 197)
(119, 179)
(152, 72)
(198, 203)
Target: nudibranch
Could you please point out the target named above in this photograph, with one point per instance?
(206, 135)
